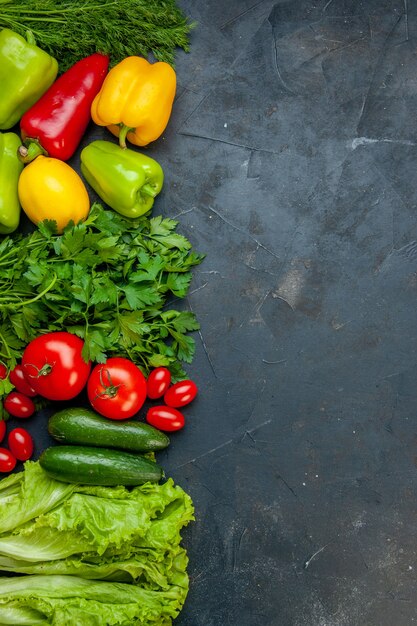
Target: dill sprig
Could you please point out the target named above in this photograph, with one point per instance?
(72, 29)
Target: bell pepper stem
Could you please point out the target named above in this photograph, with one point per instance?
(148, 190)
(122, 135)
(28, 153)
(30, 38)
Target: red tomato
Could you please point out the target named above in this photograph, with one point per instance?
(181, 393)
(3, 371)
(20, 444)
(17, 378)
(165, 418)
(7, 460)
(19, 405)
(2, 429)
(158, 382)
(117, 388)
(54, 367)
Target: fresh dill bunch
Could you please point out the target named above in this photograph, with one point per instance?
(72, 29)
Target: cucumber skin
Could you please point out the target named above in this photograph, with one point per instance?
(84, 427)
(98, 466)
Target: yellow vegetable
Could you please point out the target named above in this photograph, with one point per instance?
(50, 189)
(135, 100)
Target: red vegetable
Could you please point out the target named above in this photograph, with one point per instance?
(181, 393)
(117, 388)
(7, 460)
(20, 444)
(56, 123)
(19, 405)
(165, 418)
(2, 429)
(17, 378)
(53, 365)
(158, 382)
(3, 371)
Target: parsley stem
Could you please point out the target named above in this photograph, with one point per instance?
(9, 261)
(13, 251)
(39, 295)
(4, 342)
(138, 354)
(15, 295)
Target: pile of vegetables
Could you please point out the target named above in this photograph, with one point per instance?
(53, 367)
(92, 527)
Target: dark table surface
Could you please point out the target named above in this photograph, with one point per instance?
(290, 161)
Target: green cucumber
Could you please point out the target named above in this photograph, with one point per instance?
(85, 427)
(98, 466)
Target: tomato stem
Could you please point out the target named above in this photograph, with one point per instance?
(43, 371)
(109, 390)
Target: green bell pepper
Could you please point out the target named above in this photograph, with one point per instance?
(126, 180)
(26, 72)
(10, 169)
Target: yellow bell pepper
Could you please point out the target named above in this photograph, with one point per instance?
(135, 100)
(49, 189)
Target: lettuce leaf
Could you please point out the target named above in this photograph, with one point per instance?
(72, 600)
(150, 569)
(63, 535)
(26, 494)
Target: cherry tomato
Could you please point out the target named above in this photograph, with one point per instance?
(181, 393)
(7, 460)
(2, 429)
(53, 365)
(158, 382)
(20, 444)
(19, 405)
(17, 378)
(3, 371)
(165, 418)
(116, 389)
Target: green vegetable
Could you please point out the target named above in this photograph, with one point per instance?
(72, 29)
(106, 280)
(98, 466)
(10, 169)
(78, 425)
(126, 180)
(120, 546)
(25, 495)
(71, 600)
(26, 72)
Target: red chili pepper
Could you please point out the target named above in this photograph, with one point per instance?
(55, 124)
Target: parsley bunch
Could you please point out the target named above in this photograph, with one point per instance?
(107, 280)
